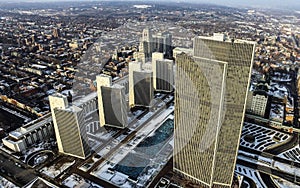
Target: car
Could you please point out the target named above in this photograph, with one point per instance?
(18, 164)
(163, 183)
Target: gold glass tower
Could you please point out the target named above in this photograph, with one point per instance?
(210, 99)
(69, 126)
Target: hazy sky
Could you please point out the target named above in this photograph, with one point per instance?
(295, 4)
(260, 3)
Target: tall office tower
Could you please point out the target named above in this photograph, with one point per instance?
(163, 73)
(146, 43)
(162, 42)
(210, 101)
(111, 102)
(69, 127)
(140, 85)
(155, 56)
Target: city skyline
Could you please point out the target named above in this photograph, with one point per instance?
(149, 94)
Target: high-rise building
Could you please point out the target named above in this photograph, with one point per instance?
(210, 102)
(141, 90)
(111, 102)
(155, 56)
(149, 43)
(69, 127)
(146, 44)
(162, 42)
(257, 103)
(258, 99)
(163, 73)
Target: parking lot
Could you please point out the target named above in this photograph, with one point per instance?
(262, 137)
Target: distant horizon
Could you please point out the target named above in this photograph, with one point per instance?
(277, 4)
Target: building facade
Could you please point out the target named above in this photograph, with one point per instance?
(162, 42)
(257, 103)
(149, 43)
(163, 75)
(111, 102)
(69, 126)
(210, 103)
(141, 91)
(37, 131)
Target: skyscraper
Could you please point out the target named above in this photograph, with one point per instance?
(210, 101)
(141, 90)
(111, 102)
(162, 42)
(146, 44)
(163, 73)
(69, 127)
(149, 43)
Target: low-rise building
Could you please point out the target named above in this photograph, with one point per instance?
(31, 133)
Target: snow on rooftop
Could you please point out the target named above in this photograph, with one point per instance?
(119, 178)
(15, 134)
(77, 181)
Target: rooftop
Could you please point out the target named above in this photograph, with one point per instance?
(224, 38)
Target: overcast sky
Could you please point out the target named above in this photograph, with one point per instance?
(260, 3)
(295, 4)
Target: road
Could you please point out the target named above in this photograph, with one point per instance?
(20, 176)
(250, 181)
(93, 178)
(268, 180)
(74, 168)
(168, 167)
(286, 146)
(126, 140)
(268, 170)
(270, 156)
